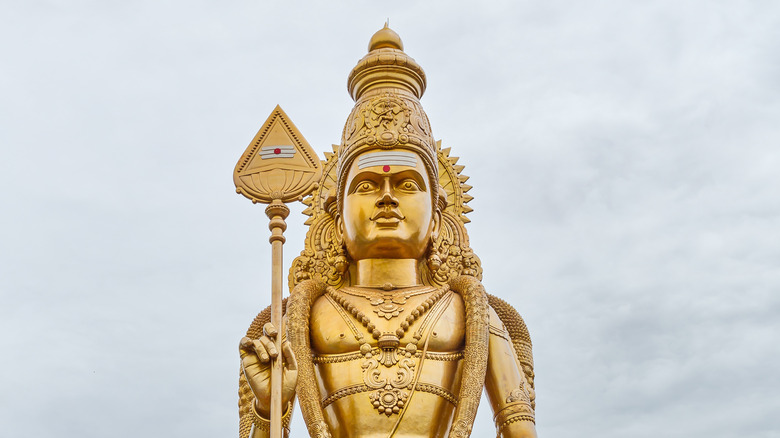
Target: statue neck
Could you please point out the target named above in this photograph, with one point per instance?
(379, 272)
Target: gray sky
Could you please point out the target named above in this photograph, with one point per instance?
(624, 158)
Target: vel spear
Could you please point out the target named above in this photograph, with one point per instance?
(278, 166)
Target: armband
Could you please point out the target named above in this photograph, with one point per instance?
(514, 412)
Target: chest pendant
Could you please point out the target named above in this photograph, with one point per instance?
(388, 370)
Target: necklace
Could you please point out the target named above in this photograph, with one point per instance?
(388, 303)
(389, 393)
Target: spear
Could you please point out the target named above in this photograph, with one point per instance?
(277, 167)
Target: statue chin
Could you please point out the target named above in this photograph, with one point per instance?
(386, 248)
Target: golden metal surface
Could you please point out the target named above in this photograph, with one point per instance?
(390, 330)
(277, 167)
(279, 164)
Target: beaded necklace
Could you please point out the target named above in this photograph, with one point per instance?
(388, 303)
(387, 340)
(389, 393)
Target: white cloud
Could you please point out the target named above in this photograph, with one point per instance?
(631, 216)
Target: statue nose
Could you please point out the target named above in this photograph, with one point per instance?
(387, 200)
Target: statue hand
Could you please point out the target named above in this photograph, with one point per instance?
(256, 355)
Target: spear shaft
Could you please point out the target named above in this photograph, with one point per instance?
(277, 212)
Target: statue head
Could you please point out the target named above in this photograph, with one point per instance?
(381, 195)
(389, 203)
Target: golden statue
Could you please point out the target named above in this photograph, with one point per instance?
(389, 331)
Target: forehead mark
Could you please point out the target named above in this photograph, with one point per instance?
(387, 159)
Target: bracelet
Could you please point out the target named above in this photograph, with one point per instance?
(518, 411)
(265, 424)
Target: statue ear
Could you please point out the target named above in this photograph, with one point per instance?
(339, 229)
(436, 225)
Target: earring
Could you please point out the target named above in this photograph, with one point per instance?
(341, 262)
(434, 260)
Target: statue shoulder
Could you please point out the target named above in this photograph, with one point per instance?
(255, 329)
(303, 291)
(510, 318)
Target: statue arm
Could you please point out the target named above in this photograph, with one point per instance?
(507, 388)
(257, 417)
(253, 423)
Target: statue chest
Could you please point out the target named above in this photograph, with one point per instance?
(337, 327)
(369, 364)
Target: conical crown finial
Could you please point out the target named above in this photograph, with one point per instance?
(385, 38)
(386, 66)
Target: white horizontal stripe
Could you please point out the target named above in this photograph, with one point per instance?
(282, 152)
(268, 157)
(282, 147)
(268, 154)
(269, 151)
(380, 159)
(388, 154)
(394, 158)
(388, 163)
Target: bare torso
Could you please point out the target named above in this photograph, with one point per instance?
(345, 375)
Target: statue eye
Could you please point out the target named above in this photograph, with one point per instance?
(365, 187)
(409, 185)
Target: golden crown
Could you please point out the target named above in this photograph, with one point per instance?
(387, 85)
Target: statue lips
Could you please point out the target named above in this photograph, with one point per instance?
(387, 218)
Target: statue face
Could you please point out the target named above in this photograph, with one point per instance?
(388, 211)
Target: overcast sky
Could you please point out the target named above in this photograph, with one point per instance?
(624, 158)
